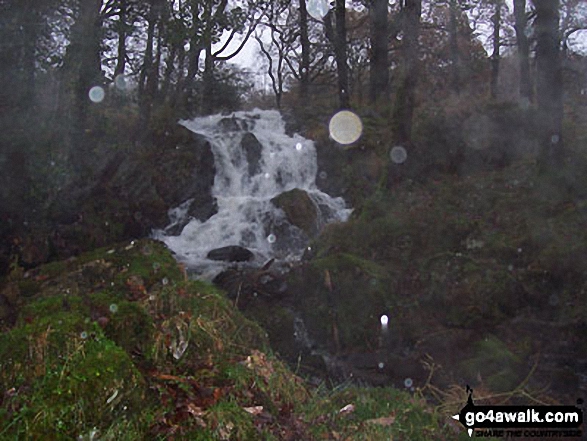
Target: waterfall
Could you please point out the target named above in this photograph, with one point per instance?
(255, 161)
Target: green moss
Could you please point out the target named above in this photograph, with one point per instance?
(74, 377)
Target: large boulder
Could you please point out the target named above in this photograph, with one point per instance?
(300, 210)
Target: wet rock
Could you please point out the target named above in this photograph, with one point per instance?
(185, 170)
(231, 253)
(233, 124)
(244, 285)
(252, 148)
(300, 210)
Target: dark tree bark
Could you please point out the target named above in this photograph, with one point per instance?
(30, 26)
(193, 54)
(341, 55)
(379, 65)
(82, 71)
(455, 81)
(169, 67)
(304, 72)
(121, 55)
(276, 81)
(521, 24)
(403, 110)
(549, 88)
(208, 83)
(495, 57)
(147, 71)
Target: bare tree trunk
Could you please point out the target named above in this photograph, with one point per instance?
(169, 65)
(276, 82)
(549, 88)
(145, 77)
(405, 94)
(121, 56)
(208, 83)
(30, 34)
(495, 57)
(521, 23)
(82, 69)
(340, 54)
(379, 65)
(304, 72)
(455, 81)
(153, 73)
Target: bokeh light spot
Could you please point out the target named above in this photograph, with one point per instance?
(398, 154)
(317, 8)
(97, 94)
(120, 82)
(345, 127)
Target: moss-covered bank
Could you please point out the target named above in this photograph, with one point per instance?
(117, 344)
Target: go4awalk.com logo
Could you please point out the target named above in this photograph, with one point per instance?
(520, 421)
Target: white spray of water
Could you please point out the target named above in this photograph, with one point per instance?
(245, 214)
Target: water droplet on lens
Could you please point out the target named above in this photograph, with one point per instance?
(323, 175)
(298, 146)
(345, 127)
(384, 320)
(398, 154)
(165, 281)
(519, 250)
(380, 365)
(408, 382)
(317, 8)
(267, 175)
(120, 82)
(83, 335)
(113, 308)
(96, 94)
(271, 238)
(554, 139)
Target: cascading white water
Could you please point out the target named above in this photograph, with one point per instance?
(245, 216)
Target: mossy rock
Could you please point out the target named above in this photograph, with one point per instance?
(300, 210)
